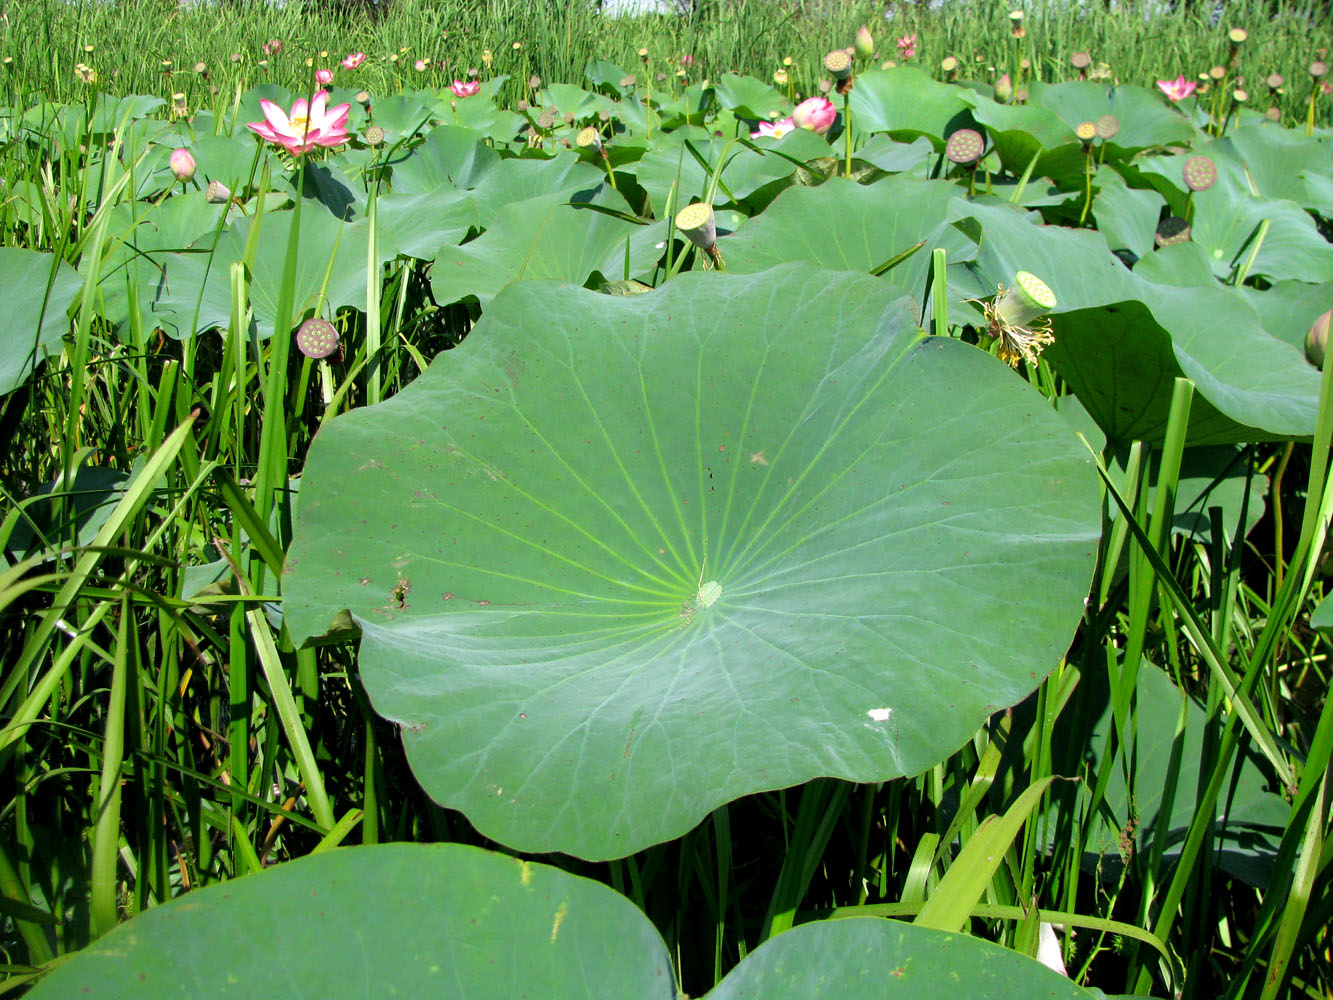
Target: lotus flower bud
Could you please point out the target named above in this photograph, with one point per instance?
(1316, 341)
(1004, 89)
(864, 44)
(1025, 301)
(182, 165)
(815, 113)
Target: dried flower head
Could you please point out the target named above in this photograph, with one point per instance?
(1017, 318)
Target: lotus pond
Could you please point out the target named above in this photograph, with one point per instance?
(691, 542)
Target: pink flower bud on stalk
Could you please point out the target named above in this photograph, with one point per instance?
(864, 44)
(1316, 341)
(815, 113)
(182, 165)
(323, 77)
(1004, 89)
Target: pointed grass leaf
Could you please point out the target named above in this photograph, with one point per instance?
(747, 546)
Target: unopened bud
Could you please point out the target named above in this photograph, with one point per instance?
(182, 165)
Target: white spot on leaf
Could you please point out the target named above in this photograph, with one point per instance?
(880, 714)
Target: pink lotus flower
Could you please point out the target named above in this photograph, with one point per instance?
(1177, 89)
(272, 47)
(421, 65)
(308, 126)
(907, 46)
(469, 89)
(353, 60)
(815, 113)
(775, 130)
(323, 77)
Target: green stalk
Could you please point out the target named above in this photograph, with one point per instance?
(106, 830)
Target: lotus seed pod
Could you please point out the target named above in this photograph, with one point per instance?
(1200, 173)
(217, 193)
(1086, 131)
(317, 338)
(363, 97)
(1004, 89)
(1172, 230)
(1080, 60)
(1274, 114)
(1108, 127)
(1316, 341)
(1217, 72)
(1318, 69)
(839, 64)
(569, 118)
(1240, 96)
(949, 64)
(864, 44)
(589, 138)
(373, 136)
(1024, 302)
(1274, 81)
(698, 224)
(534, 82)
(546, 120)
(522, 105)
(603, 116)
(1237, 36)
(965, 146)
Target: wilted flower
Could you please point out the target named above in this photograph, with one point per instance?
(487, 57)
(323, 77)
(353, 60)
(815, 113)
(1177, 89)
(461, 89)
(309, 125)
(775, 130)
(907, 46)
(182, 165)
(272, 47)
(1016, 316)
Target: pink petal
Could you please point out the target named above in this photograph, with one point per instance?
(277, 118)
(337, 118)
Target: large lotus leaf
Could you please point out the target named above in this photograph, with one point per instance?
(480, 113)
(1127, 217)
(867, 959)
(450, 155)
(1020, 132)
(1290, 308)
(1121, 340)
(111, 113)
(513, 180)
(418, 225)
(482, 926)
(1227, 219)
(619, 560)
(568, 99)
(227, 160)
(1144, 120)
(406, 114)
(1318, 192)
(1255, 818)
(37, 290)
(845, 226)
(546, 238)
(604, 73)
(330, 268)
(895, 157)
(1281, 161)
(479, 926)
(906, 103)
(749, 177)
(193, 294)
(750, 98)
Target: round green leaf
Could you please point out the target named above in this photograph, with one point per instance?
(860, 958)
(906, 102)
(404, 920)
(36, 318)
(619, 560)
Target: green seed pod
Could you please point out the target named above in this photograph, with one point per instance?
(373, 136)
(1025, 301)
(1172, 230)
(1086, 131)
(1108, 127)
(698, 224)
(838, 63)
